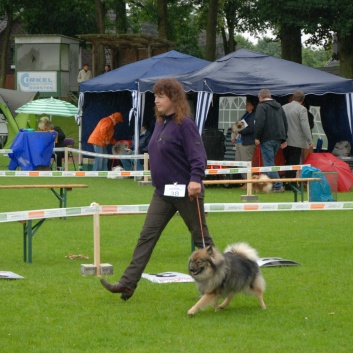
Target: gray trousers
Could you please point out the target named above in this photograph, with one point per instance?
(244, 154)
(160, 211)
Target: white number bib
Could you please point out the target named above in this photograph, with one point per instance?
(176, 190)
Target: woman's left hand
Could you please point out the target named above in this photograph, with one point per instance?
(194, 188)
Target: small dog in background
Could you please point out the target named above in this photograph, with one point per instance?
(116, 169)
(220, 275)
(120, 148)
(265, 187)
(238, 126)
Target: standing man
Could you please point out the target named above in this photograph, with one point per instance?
(270, 132)
(84, 74)
(299, 134)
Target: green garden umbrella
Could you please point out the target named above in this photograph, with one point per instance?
(48, 106)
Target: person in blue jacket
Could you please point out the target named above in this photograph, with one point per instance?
(178, 162)
(245, 146)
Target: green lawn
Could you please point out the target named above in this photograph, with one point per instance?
(56, 309)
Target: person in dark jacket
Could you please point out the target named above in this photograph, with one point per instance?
(270, 132)
(178, 162)
(245, 146)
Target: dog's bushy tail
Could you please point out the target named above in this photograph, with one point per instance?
(243, 249)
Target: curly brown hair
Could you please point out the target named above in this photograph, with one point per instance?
(174, 90)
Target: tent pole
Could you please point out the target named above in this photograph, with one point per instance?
(80, 146)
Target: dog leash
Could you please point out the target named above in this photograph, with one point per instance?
(198, 209)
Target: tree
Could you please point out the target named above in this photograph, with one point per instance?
(237, 16)
(162, 16)
(99, 62)
(119, 8)
(334, 16)
(211, 31)
(230, 8)
(269, 46)
(244, 43)
(183, 22)
(6, 12)
(65, 17)
(288, 18)
(319, 18)
(313, 57)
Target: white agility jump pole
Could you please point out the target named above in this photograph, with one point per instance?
(96, 239)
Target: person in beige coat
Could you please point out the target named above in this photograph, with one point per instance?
(84, 74)
(299, 134)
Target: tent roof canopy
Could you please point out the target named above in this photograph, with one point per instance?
(246, 72)
(15, 99)
(126, 77)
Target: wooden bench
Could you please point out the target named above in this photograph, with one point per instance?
(29, 228)
(296, 190)
(61, 196)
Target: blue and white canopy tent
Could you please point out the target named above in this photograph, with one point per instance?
(117, 90)
(245, 72)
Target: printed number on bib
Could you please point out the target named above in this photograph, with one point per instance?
(175, 190)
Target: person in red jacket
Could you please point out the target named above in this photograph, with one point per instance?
(102, 136)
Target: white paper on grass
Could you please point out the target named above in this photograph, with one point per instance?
(168, 277)
(275, 261)
(9, 275)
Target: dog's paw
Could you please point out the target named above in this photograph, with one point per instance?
(219, 307)
(192, 312)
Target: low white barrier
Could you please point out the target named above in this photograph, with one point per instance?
(114, 174)
(140, 209)
(96, 211)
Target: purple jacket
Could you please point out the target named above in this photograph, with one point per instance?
(176, 154)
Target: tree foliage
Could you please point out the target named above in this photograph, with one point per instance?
(187, 23)
(66, 17)
(8, 11)
(312, 56)
(211, 33)
(334, 16)
(288, 18)
(183, 26)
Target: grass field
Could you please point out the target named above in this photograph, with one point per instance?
(56, 309)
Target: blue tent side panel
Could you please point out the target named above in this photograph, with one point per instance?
(97, 106)
(334, 117)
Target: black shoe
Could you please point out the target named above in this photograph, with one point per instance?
(126, 293)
